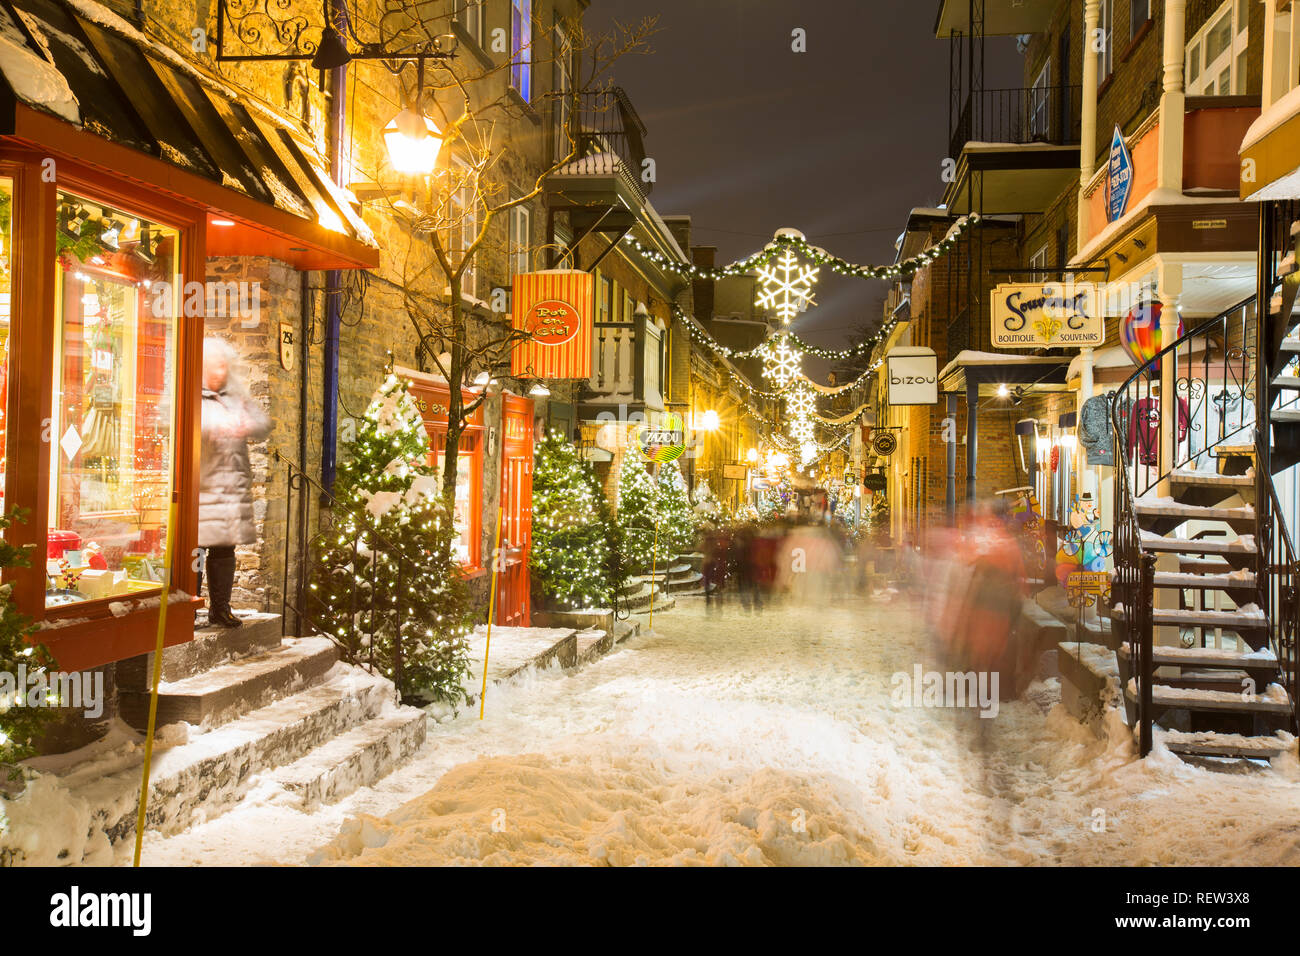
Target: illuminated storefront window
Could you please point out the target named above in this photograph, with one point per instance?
(114, 383)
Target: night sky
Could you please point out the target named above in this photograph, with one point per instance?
(839, 142)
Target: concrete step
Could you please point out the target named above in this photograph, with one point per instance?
(221, 694)
(211, 771)
(211, 647)
(688, 582)
(593, 644)
(1238, 450)
(662, 603)
(625, 629)
(356, 758)
(1284, 415)
(694, 558)
(1287, 381)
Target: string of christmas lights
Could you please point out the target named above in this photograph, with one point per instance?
(787, 240)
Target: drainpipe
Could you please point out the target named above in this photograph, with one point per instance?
(333, 288)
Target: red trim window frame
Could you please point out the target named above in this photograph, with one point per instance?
(471, 452)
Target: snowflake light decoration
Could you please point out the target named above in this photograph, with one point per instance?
(786, 286)
(802, 429)
(782, 362)
(801, 402)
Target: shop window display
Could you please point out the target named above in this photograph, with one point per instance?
(114, 387)
(465, 519)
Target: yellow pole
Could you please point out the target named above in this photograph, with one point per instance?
(492, 610)
(157, 676)
(654, 566)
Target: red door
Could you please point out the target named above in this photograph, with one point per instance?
(513, 603)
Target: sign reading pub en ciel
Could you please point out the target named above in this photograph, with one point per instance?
(1035, 315)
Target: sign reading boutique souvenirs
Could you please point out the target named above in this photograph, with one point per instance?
(913, 374)
(1047, 315)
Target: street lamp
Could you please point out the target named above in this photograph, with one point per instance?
(413, 142)
(709, 421)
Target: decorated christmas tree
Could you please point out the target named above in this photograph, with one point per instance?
(386, 586)
(636, 516)
(21, 718)
(707, 506)
(676, 519)
(573, 530)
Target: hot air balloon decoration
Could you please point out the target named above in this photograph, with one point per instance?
(1139, 332)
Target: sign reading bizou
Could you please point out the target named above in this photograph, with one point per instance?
(913, 376)
(1046, 315)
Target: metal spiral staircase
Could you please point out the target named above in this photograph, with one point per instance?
(1205, 596)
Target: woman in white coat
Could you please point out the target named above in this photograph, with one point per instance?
(231, 419)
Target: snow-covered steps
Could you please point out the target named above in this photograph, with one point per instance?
(1233, 450)
(227, 690)
(1167, 508)
(1206, 657)
(356, 758)
(1210, 478)
(592, 644)
(1244, 545)
(1212, 744)
(515, 649)
(637, 596)
(1226, 581)
(688, 580)
(1273, 700)
(694, 558)
(209, 772)
(1246, 618)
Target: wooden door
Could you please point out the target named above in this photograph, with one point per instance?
(513, 603)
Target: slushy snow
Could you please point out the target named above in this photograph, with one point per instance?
(734, 738)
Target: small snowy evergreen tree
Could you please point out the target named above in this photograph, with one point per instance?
(572, 530)
(21, 724)
(636, 516)
(676, 520)
(387, 566)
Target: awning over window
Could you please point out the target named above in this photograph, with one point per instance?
(203, 140)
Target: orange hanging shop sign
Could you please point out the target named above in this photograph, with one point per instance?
(554, 308)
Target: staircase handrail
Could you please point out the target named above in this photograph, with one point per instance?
(1232, 334)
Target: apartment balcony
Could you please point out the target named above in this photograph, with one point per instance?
(1206, 216)
(1014, 149)
(608, 171)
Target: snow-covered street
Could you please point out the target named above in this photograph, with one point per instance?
(731, 737)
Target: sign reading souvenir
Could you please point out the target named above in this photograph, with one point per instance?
(1039, 315)
(554, 309)
(663, 442)
(1119, 177)
(913, 376)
